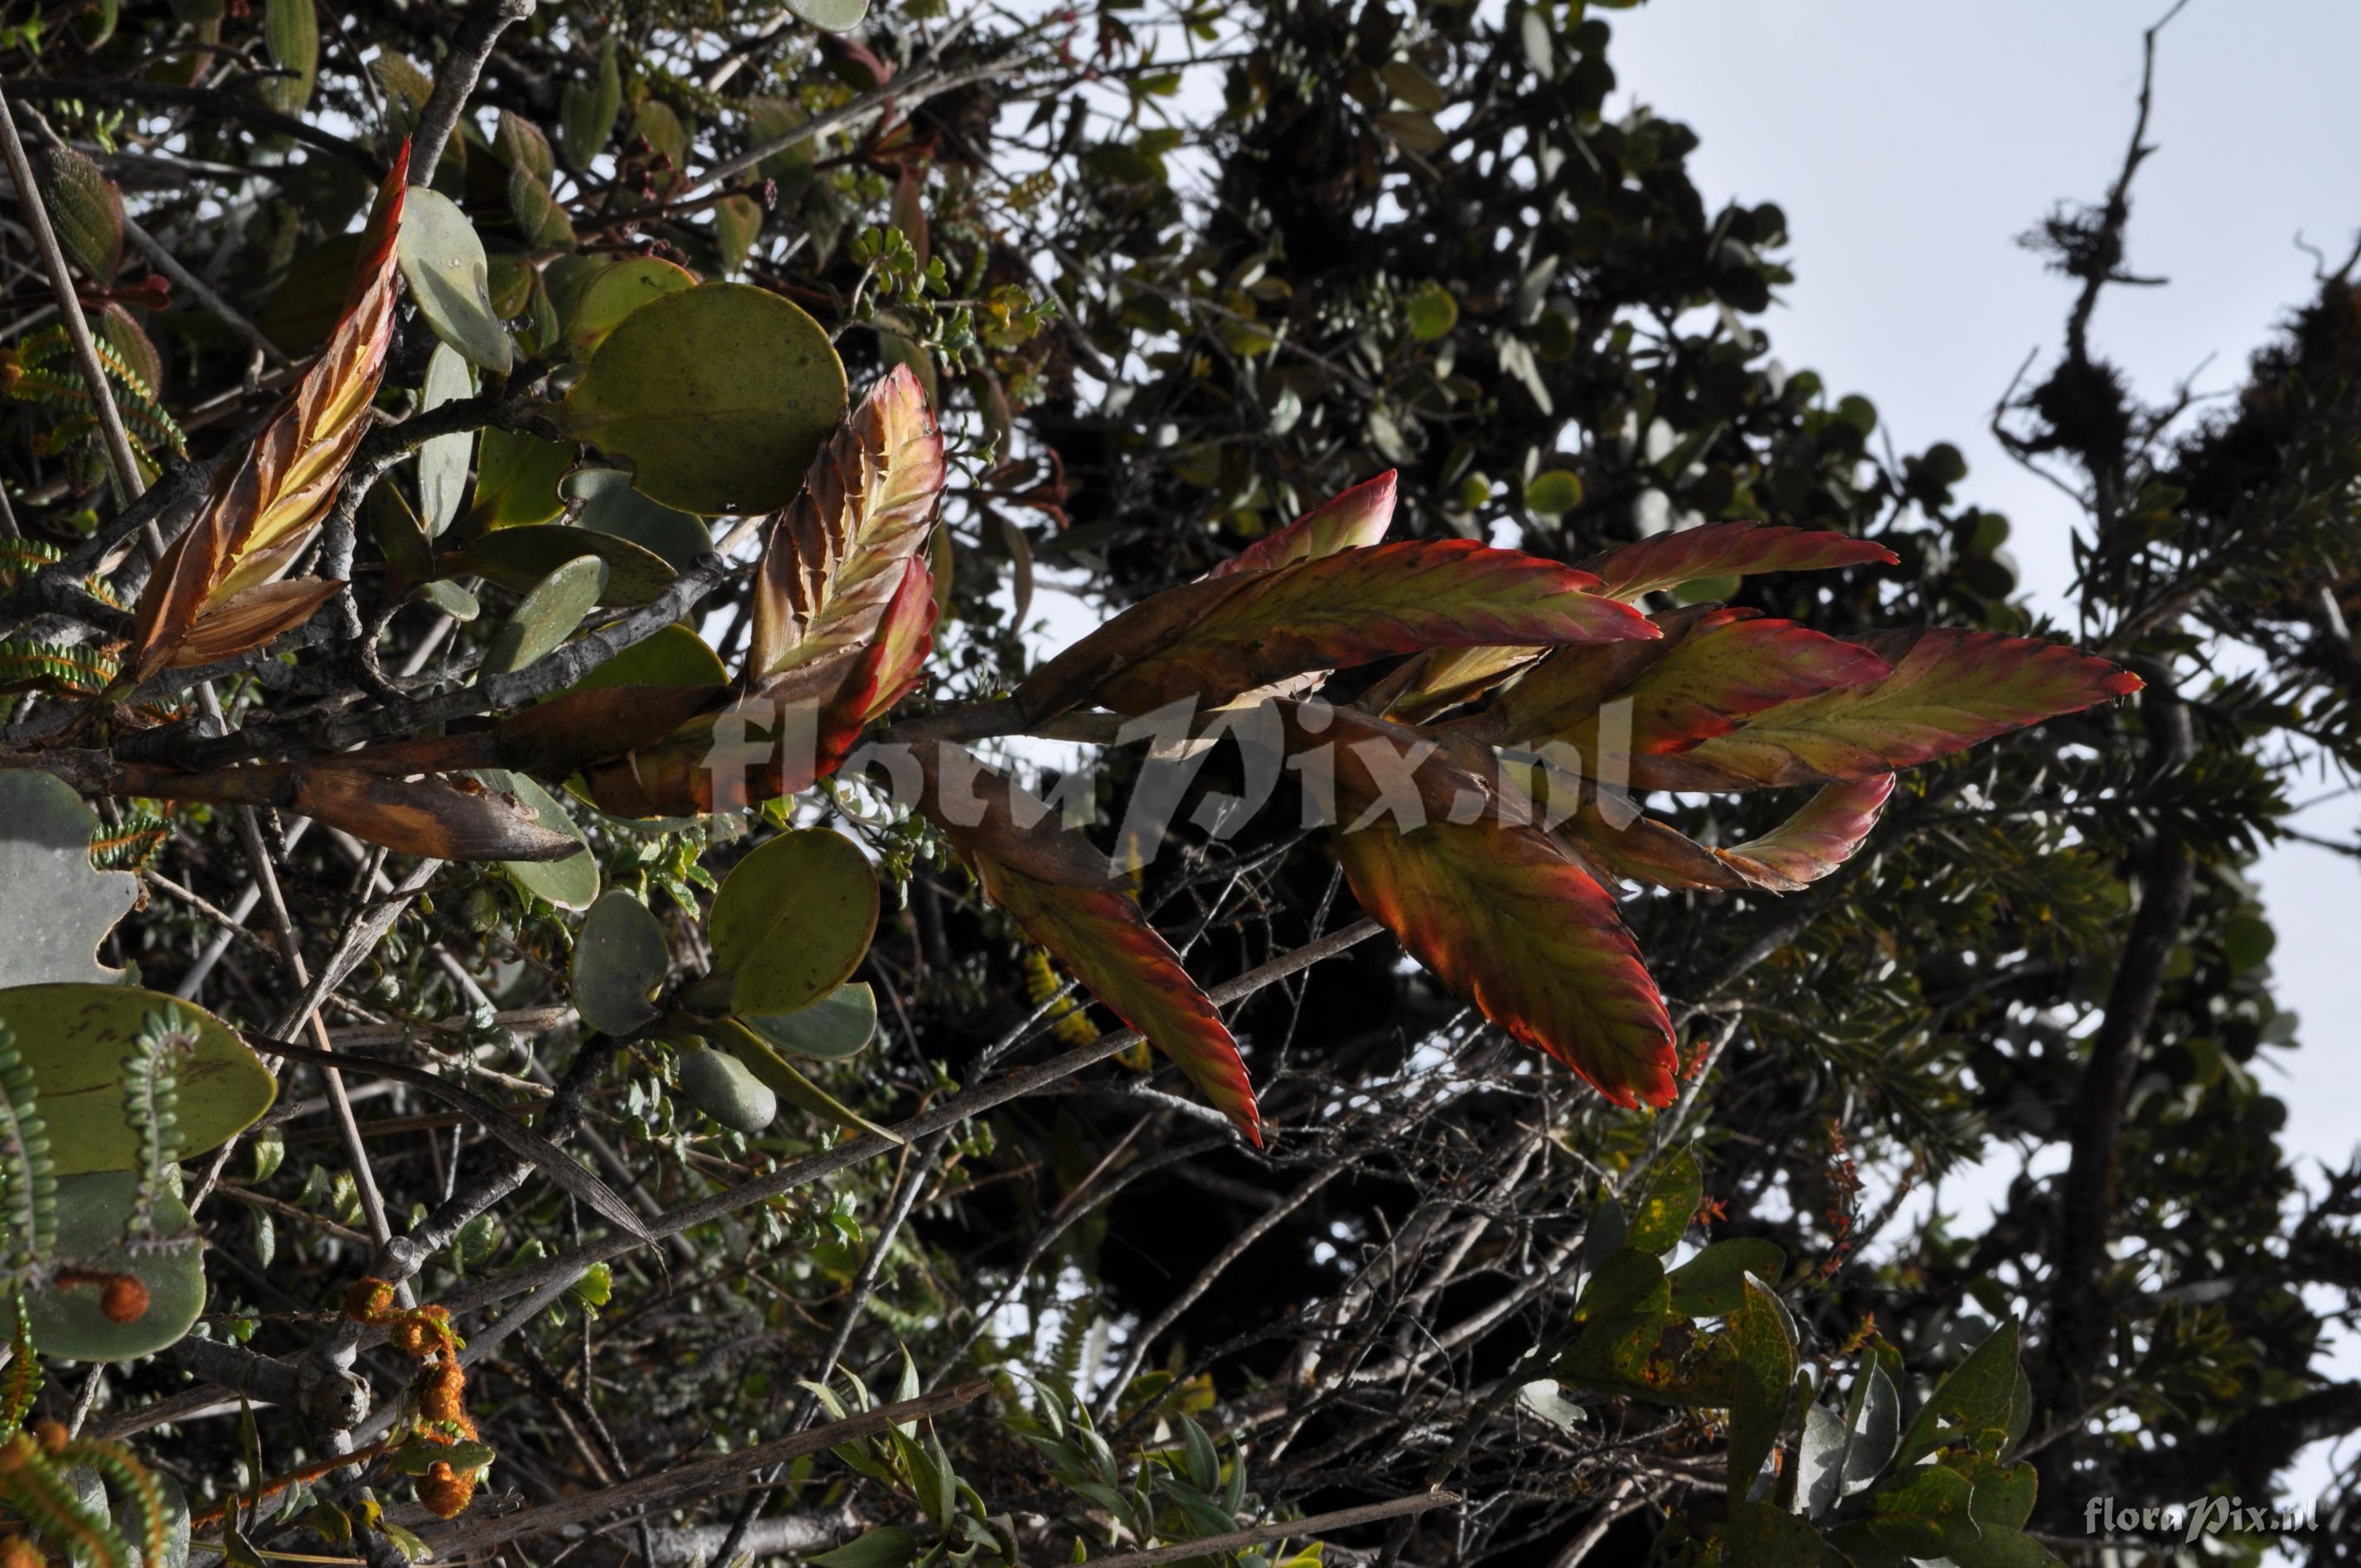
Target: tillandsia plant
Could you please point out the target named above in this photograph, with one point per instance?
(656, 633)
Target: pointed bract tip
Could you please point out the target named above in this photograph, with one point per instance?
(2123, 683)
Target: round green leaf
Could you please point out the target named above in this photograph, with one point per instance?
(451, 600)
(443, 461)
(830, 15)
(93, 1211)
(720, 396)
(569, 883)
(442, 260)
(518, 558)
(611, 506)
(596, 304)
(56, 907)
(1433, 313)
(620, 959)
(720, 1085)
(674, 656)
(74, 1038)
(839, 1024)
(1553, 492)
(553, 608)
(792, 921)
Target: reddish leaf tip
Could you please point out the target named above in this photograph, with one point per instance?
(2123, 683)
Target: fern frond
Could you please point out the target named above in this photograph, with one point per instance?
(131, 846)
(135, 1490)
(31, 1483)
(29, 1180)
(21, 557)
(151, 1109)
(75, 671)
(1063, 1356)
(25, 376)
(24, 1385)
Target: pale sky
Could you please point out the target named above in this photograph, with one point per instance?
(1910, 141)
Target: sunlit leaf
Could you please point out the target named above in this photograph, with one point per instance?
(1222, 636)
(1949, 690)
(621, 961)
(719, 396)
(1724, 550)
(73, 1038)
(442, 261)
(93, 1211)
(1351, 520)
(265, 508)
(56, 905)
(793, 920)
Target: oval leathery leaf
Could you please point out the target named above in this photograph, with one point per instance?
(570, 882)
(442, 261)
(73, 1037)
(72, 1320)
(621, 962)
(793, 920)
(719, 396)
(520, 557)
(551, 609)
(721, 1085)
(56, 907)
(837, 1025)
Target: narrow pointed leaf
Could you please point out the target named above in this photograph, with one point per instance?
(1350, 521)
(835, 558)
(1949, 690)
(267, 507)
(1819, 838)
(1067, 897)
(1503, 914)
(1707, 673)
(1727, 550)
(1223, 636)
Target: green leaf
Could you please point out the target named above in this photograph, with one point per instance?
(86, 211)
(1675, 1189)
(1627, 1282)
(93, 1213)
(737, 223)
(1204, 1464)
(790, 1085)
(1433, 313)
(610, 505)
(2001, 1504)
(1712, 1284)
(73, 1038)
(674, 656)
(451, 600)
(719, 396)
(723, 1087)
(889, 1546)
(538, 215)
(1819, 1461)
(621, 961)
(56, 907)
(1873, 1419)
(569, 883)
(793, 920)
(1553, 492)
(516, 480)
(596, 304)
(1766, 1371)
(442, 261)
(1979, 1396)
(550, 611)
(837, 1025)
(443, 459)
(518, 558)
(586, 113)
(521, 145)
(1761, 1536)
(292, 30)
(830, 15)
(1927, 1515)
